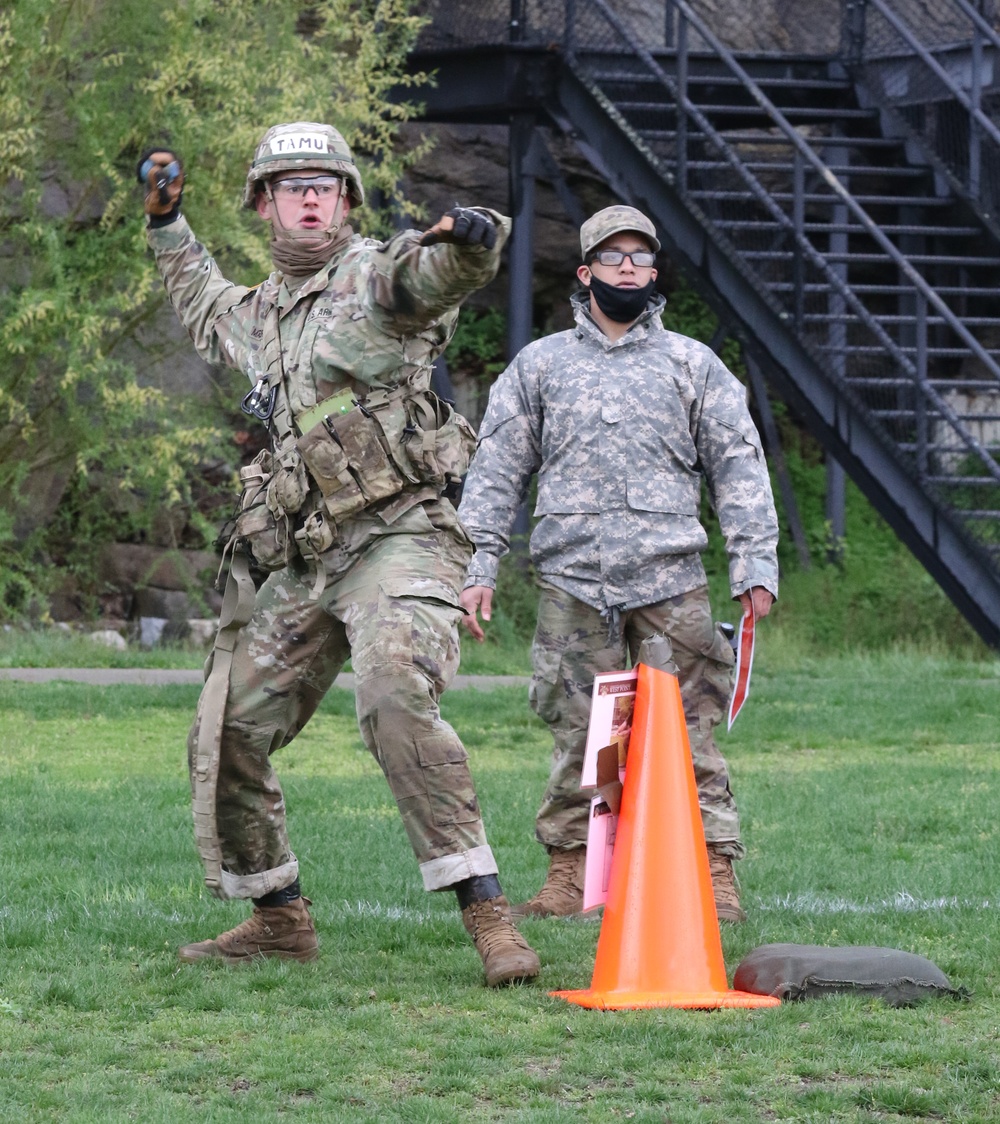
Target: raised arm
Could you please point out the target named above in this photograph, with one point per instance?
(197, 290)
(418, 278)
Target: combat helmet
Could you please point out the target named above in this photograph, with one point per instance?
(303, 144)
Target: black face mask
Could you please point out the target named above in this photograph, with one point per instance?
(621, 305)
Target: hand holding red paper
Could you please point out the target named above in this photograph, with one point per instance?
(756, 603)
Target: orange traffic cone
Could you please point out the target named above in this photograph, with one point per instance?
(659, 944)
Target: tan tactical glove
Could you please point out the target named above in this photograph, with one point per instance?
(161, 173)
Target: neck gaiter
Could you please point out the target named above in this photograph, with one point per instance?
(299, 258)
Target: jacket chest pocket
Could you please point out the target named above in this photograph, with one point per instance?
(348, 343)
(663, 474)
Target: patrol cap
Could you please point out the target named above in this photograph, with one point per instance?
(303, 144)
(613, 220)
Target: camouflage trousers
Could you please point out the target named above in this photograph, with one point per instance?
(391, 605)
(571, 645)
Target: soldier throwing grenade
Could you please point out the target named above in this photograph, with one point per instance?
(346, 510)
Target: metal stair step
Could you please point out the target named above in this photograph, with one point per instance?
(960, 481)
(932, 415)
(930, 352)
(839, 113)
(839, 170)
(954, 481)
(853, 228)
(919, 259)
(813, 197)
(875, 259)
(881, 318)
(974, 386)
(815, 141)
(886, 290)
(889, 383)
(702, 78)
(832, 114)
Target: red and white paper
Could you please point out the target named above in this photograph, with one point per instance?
(744, 662)
(608, 736)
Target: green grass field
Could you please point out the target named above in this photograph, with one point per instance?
(871, 806)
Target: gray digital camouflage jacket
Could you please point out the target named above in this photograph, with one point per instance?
(621, 435)
(377, 315)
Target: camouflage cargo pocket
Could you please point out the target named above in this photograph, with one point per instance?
(267, 533)
(544, 692)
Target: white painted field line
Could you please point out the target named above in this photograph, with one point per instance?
(806, 903)
(384, 912)
(900, 902)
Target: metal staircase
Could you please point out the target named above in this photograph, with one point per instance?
(932, 69)
(858, 266)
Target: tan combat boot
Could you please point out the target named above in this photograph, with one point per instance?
(725, 887)
(562, 892)
(283, 931)
(506, 955)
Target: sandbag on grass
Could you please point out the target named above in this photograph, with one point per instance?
(808, 971)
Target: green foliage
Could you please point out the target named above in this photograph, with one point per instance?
(85, 86)
(689, 315)
(55, 647)
(878, 596)
(479, 342)
(875, 596)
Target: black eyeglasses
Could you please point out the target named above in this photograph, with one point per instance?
(640, 259)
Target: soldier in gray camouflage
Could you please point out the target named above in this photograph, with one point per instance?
(347, 511)
(622, 421)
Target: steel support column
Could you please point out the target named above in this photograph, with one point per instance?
(520, 260)
(836, 481)
(520, 269)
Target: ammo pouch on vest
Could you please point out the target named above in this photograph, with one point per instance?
(348, 459)
(272, 493)
(387, 441)
(438, 442)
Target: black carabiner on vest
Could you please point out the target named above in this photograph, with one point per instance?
(259, 403)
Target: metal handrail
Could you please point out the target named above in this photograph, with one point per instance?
(939, 71)
(966, 180)
(832, 181)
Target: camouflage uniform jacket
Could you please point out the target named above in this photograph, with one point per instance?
(377, 315)
(621, 435)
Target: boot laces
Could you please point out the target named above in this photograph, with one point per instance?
(491, 928)
(251, 929)
(563, 871)
(723, 875)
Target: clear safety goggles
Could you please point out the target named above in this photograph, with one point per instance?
(640, 259)
(326, 187)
